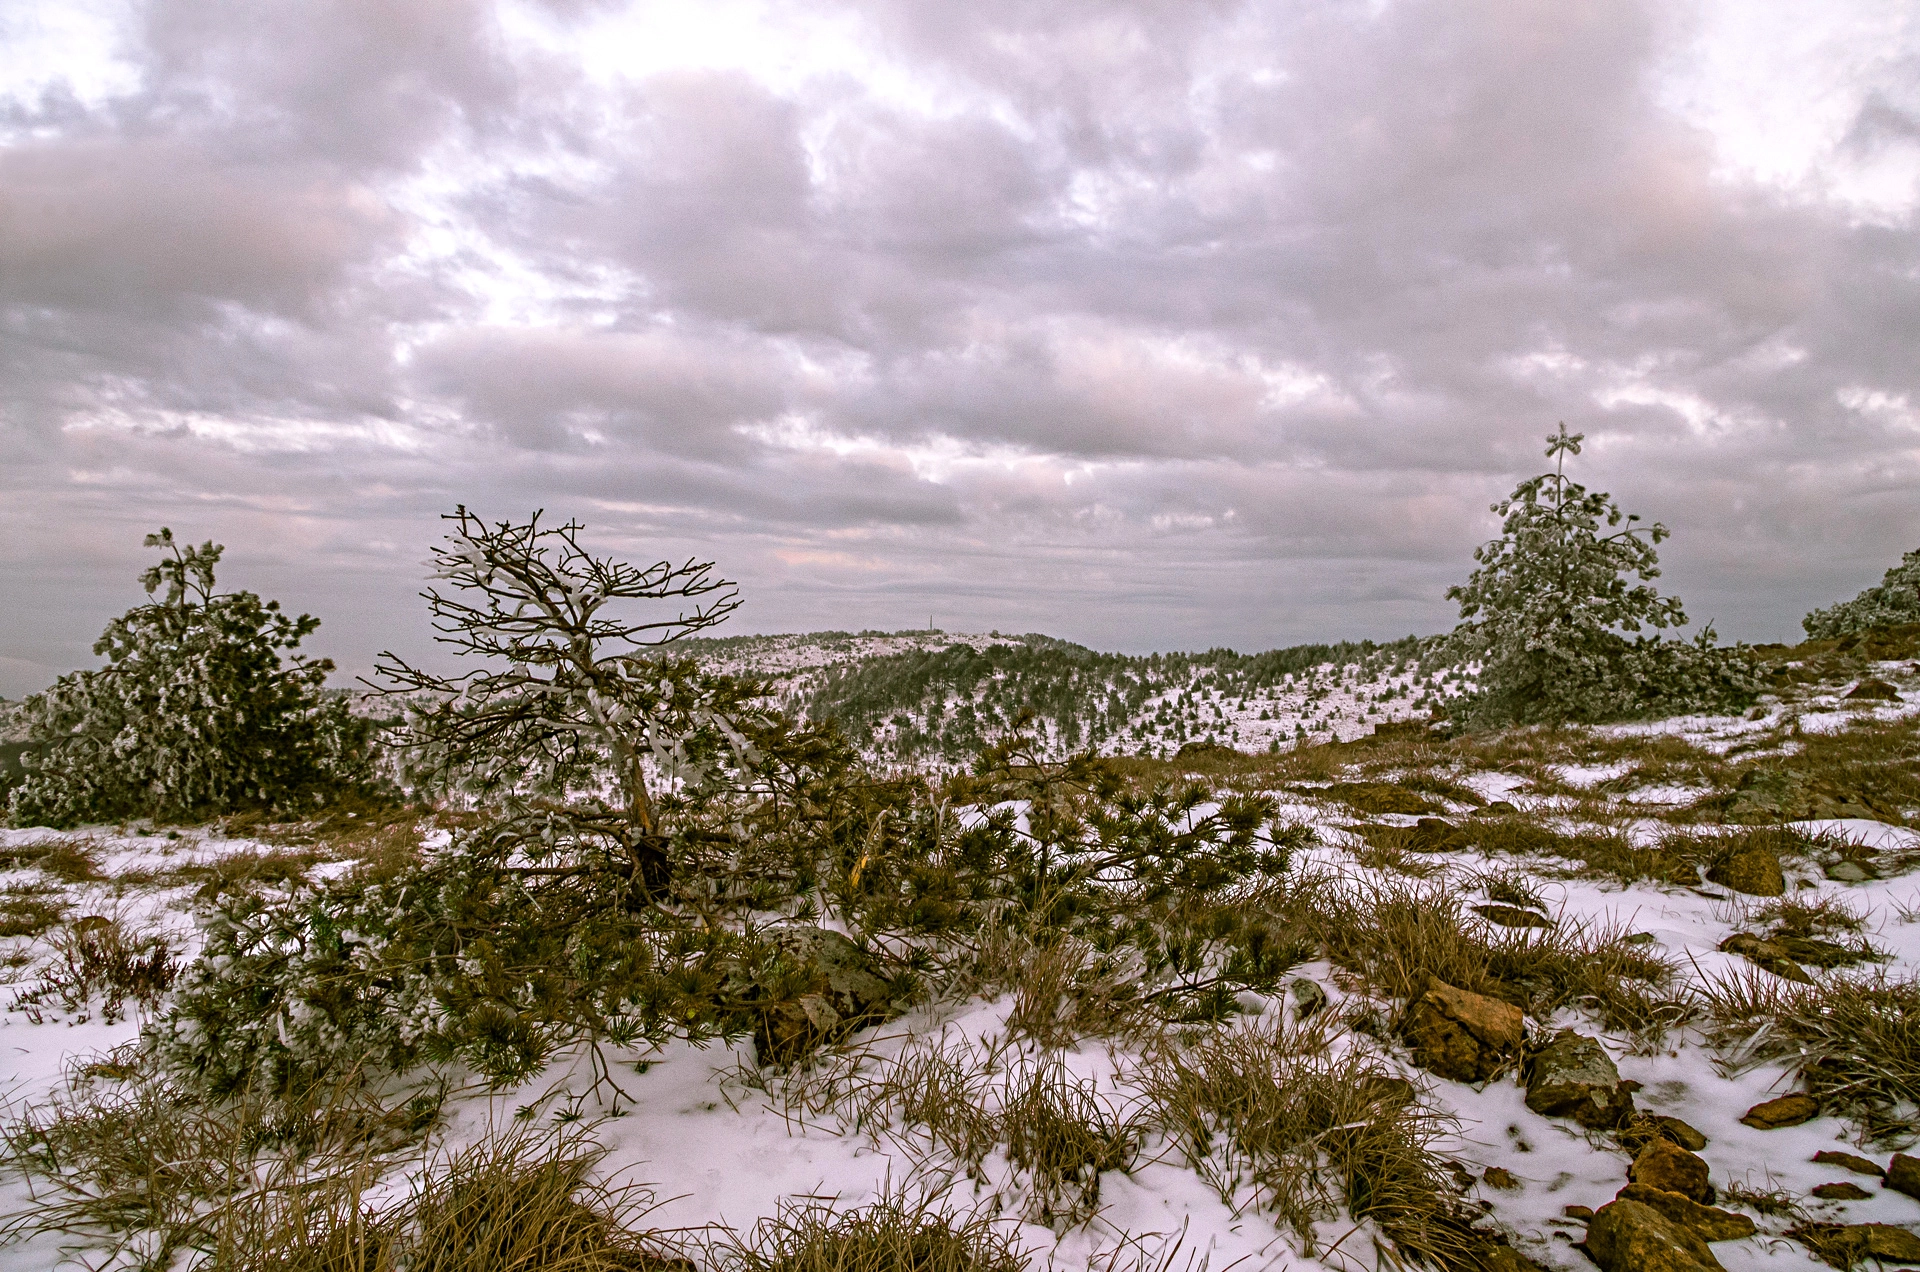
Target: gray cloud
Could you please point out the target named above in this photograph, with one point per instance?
(1148, 324)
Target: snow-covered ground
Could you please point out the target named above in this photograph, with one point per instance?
(722, 1146)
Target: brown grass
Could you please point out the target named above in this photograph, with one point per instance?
(27, 910)
(1064, 1134)
(67, 859)
(124, 1157)
(1852, 1040)
(1311, 1125)
(1401, 935)
(894, 1234)
(99, 955)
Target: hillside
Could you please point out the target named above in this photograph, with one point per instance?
(935, 697)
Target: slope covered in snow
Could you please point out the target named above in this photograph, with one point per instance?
(1542, 850)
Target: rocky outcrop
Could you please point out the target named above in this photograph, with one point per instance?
(1787, 1110)
(1430, 834)
(1571, 1075)
(1631, 1236)
(1844, 1245)
(1850, 1161)
(1903, 1174)
(1308, 997)
(1462, 1035)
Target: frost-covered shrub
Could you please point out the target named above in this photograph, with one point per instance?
(1557, 614)
(195, 714)
(462, 958)
(1895, 601)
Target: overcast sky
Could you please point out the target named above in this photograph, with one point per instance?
(1162, 324)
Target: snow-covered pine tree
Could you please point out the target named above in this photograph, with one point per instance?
(1555, 614)
(196, 713)
(1895, 601)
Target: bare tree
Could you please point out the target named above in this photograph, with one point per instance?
(580, 690)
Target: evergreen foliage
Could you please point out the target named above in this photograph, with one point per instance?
(195, 715)
(1895, 601)
(1549, 611)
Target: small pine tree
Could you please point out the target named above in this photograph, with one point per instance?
(1895, 601)
(573, 695)
(1548, 614)
(196, 713)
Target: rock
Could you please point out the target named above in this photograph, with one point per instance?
(814, 985)
(1888, 1243)
(1512, 916)
(1768, 955)
(1849, 871)
(1903, 1174)
(1849, 1161)
(1788, 1110)
(1461, 1035)
(1753, 870)
(1571, 1075)
(1844, 1245)
(1582, 1213)
(1840, 1192)
(1873, 689)
(1507, 1259)
(1498, 808)
(1502, 1178)
(1631, 1236)
(1430, 834)
(1679, 1132)
(1709, 1223)
(1308, 997)
(1641, 1129)
(1671, 1168)
(1811, 951)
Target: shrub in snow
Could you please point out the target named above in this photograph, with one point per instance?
(1557, 611)
(1896, 600)
(195, 714)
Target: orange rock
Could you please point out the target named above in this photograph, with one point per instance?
(1462, 1035)
(1788, 1110)
(1671, 1168)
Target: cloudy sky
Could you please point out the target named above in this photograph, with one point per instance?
(1146, 323)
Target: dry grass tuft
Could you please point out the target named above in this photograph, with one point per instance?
(1064, 1134)
(27, 910)
(101, 955)
(67, 859)
(129, 1159)
(936, 1097)
(1312, 1124)
(1401, 935)
(1852, 1039)
(894, 1234)
(1063, 989)
(523, 1200)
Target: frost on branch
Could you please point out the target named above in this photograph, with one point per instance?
(578, 695)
